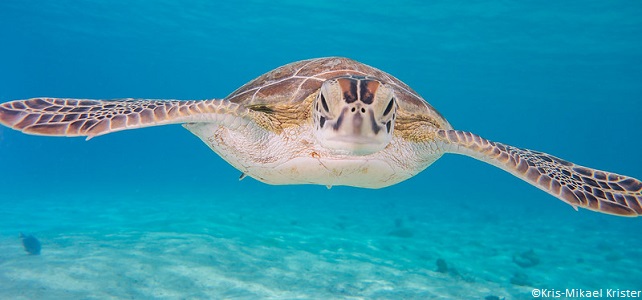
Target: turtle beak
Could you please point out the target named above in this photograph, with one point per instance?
(357, 123)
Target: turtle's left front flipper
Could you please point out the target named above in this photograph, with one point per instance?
(576, 185)
(83, 117)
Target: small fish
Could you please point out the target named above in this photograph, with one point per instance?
(31, 244)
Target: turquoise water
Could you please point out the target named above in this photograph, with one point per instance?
(154, 214)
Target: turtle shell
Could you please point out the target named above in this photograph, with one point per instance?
(295, 82)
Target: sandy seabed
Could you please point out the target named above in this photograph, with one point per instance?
(256, 245)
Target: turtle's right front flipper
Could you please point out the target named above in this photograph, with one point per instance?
(81, 117)
(576, 185)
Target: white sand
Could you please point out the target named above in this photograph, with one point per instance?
(256, 245)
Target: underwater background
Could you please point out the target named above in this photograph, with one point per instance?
(154, 214)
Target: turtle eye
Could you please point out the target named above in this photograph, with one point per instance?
(324, 104)
(389, 107)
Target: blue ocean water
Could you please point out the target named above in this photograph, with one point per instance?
(153, 213)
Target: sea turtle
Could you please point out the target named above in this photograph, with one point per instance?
(329, 121)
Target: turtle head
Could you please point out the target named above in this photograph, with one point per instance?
(354, 114)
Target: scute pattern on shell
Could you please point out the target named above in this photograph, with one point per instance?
(294, 82)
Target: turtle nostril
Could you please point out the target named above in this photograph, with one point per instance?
(353, 109)
(363, 110)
